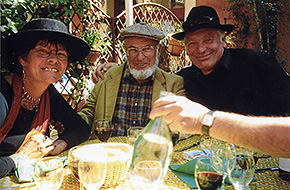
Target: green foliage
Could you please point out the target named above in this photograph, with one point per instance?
(13, 16)
(92, 37)
(260, 17)
(15, 13)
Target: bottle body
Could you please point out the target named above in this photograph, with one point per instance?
(284, 168)
(151, 155)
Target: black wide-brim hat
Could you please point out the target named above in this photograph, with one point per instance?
(202, 17)
(45, 28)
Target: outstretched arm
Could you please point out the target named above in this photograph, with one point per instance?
(263, 134)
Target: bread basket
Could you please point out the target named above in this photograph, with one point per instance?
(119, 159)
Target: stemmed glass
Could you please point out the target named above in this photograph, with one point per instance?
(209, 171)
(133, 133)
(92, 169)
(146, 174)
(48, 173)
(225, 151)
(243, 169)
(104, 129)
(73, 160)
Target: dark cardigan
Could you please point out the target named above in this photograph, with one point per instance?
(76, 129)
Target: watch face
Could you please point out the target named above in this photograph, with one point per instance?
(207, 120)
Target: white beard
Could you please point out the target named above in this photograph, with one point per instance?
(144, 74)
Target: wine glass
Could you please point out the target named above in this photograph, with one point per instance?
(104, 129)
(209, 171)
(74, 155)
(225, 151)
(243, 169)
(48, 173)
(146, 174)
(133, 133)
(92, 169)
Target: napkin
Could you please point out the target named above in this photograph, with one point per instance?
(185, 172)
(25, 168)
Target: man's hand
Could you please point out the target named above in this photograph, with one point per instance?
(180, 113)
(97, 73)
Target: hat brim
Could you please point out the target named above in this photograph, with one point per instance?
(77, 48)
(228, 28)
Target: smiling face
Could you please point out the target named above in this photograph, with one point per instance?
(205, 48)
(45, 64)
(143, 64)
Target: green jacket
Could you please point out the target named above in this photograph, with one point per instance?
(101, 103)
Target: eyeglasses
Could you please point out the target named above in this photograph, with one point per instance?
(61, 55)
(146, 51)
(202, 20)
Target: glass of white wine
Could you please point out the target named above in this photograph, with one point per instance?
(147, 174)
(92, 169)
(48, 173)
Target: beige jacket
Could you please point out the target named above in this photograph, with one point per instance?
(101, 103)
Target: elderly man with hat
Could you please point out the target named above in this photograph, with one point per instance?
(128, 91)
(244, 81)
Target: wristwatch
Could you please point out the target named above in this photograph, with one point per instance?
(207, 122)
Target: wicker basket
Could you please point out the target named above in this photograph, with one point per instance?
(120, 155)
(119, 159)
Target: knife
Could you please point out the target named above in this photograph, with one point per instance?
(187, 147)
(265, 169)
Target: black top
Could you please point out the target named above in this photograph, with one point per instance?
(76, 129)
(245, 81)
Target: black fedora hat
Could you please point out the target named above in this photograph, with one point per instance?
(42, 28)
(202, 17)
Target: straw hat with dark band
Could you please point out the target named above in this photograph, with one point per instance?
(44, 28)
(202, 17)
(141, 30)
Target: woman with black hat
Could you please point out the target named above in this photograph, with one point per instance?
(40, 54)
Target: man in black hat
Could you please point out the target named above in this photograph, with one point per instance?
(238, 80)
(127, 92)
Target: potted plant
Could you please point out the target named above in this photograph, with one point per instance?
(174, 47)
(93, 38)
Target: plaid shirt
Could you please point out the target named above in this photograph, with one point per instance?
(133, 103)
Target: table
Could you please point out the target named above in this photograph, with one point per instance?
(265, 180)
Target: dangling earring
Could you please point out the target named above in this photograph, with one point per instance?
(23, 74)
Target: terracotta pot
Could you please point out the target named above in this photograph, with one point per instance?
(93, 56)
(174, 46)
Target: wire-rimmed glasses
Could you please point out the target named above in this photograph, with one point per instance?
(146, 51)
(61, 55)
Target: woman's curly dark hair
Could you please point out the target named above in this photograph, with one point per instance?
(10, 54)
